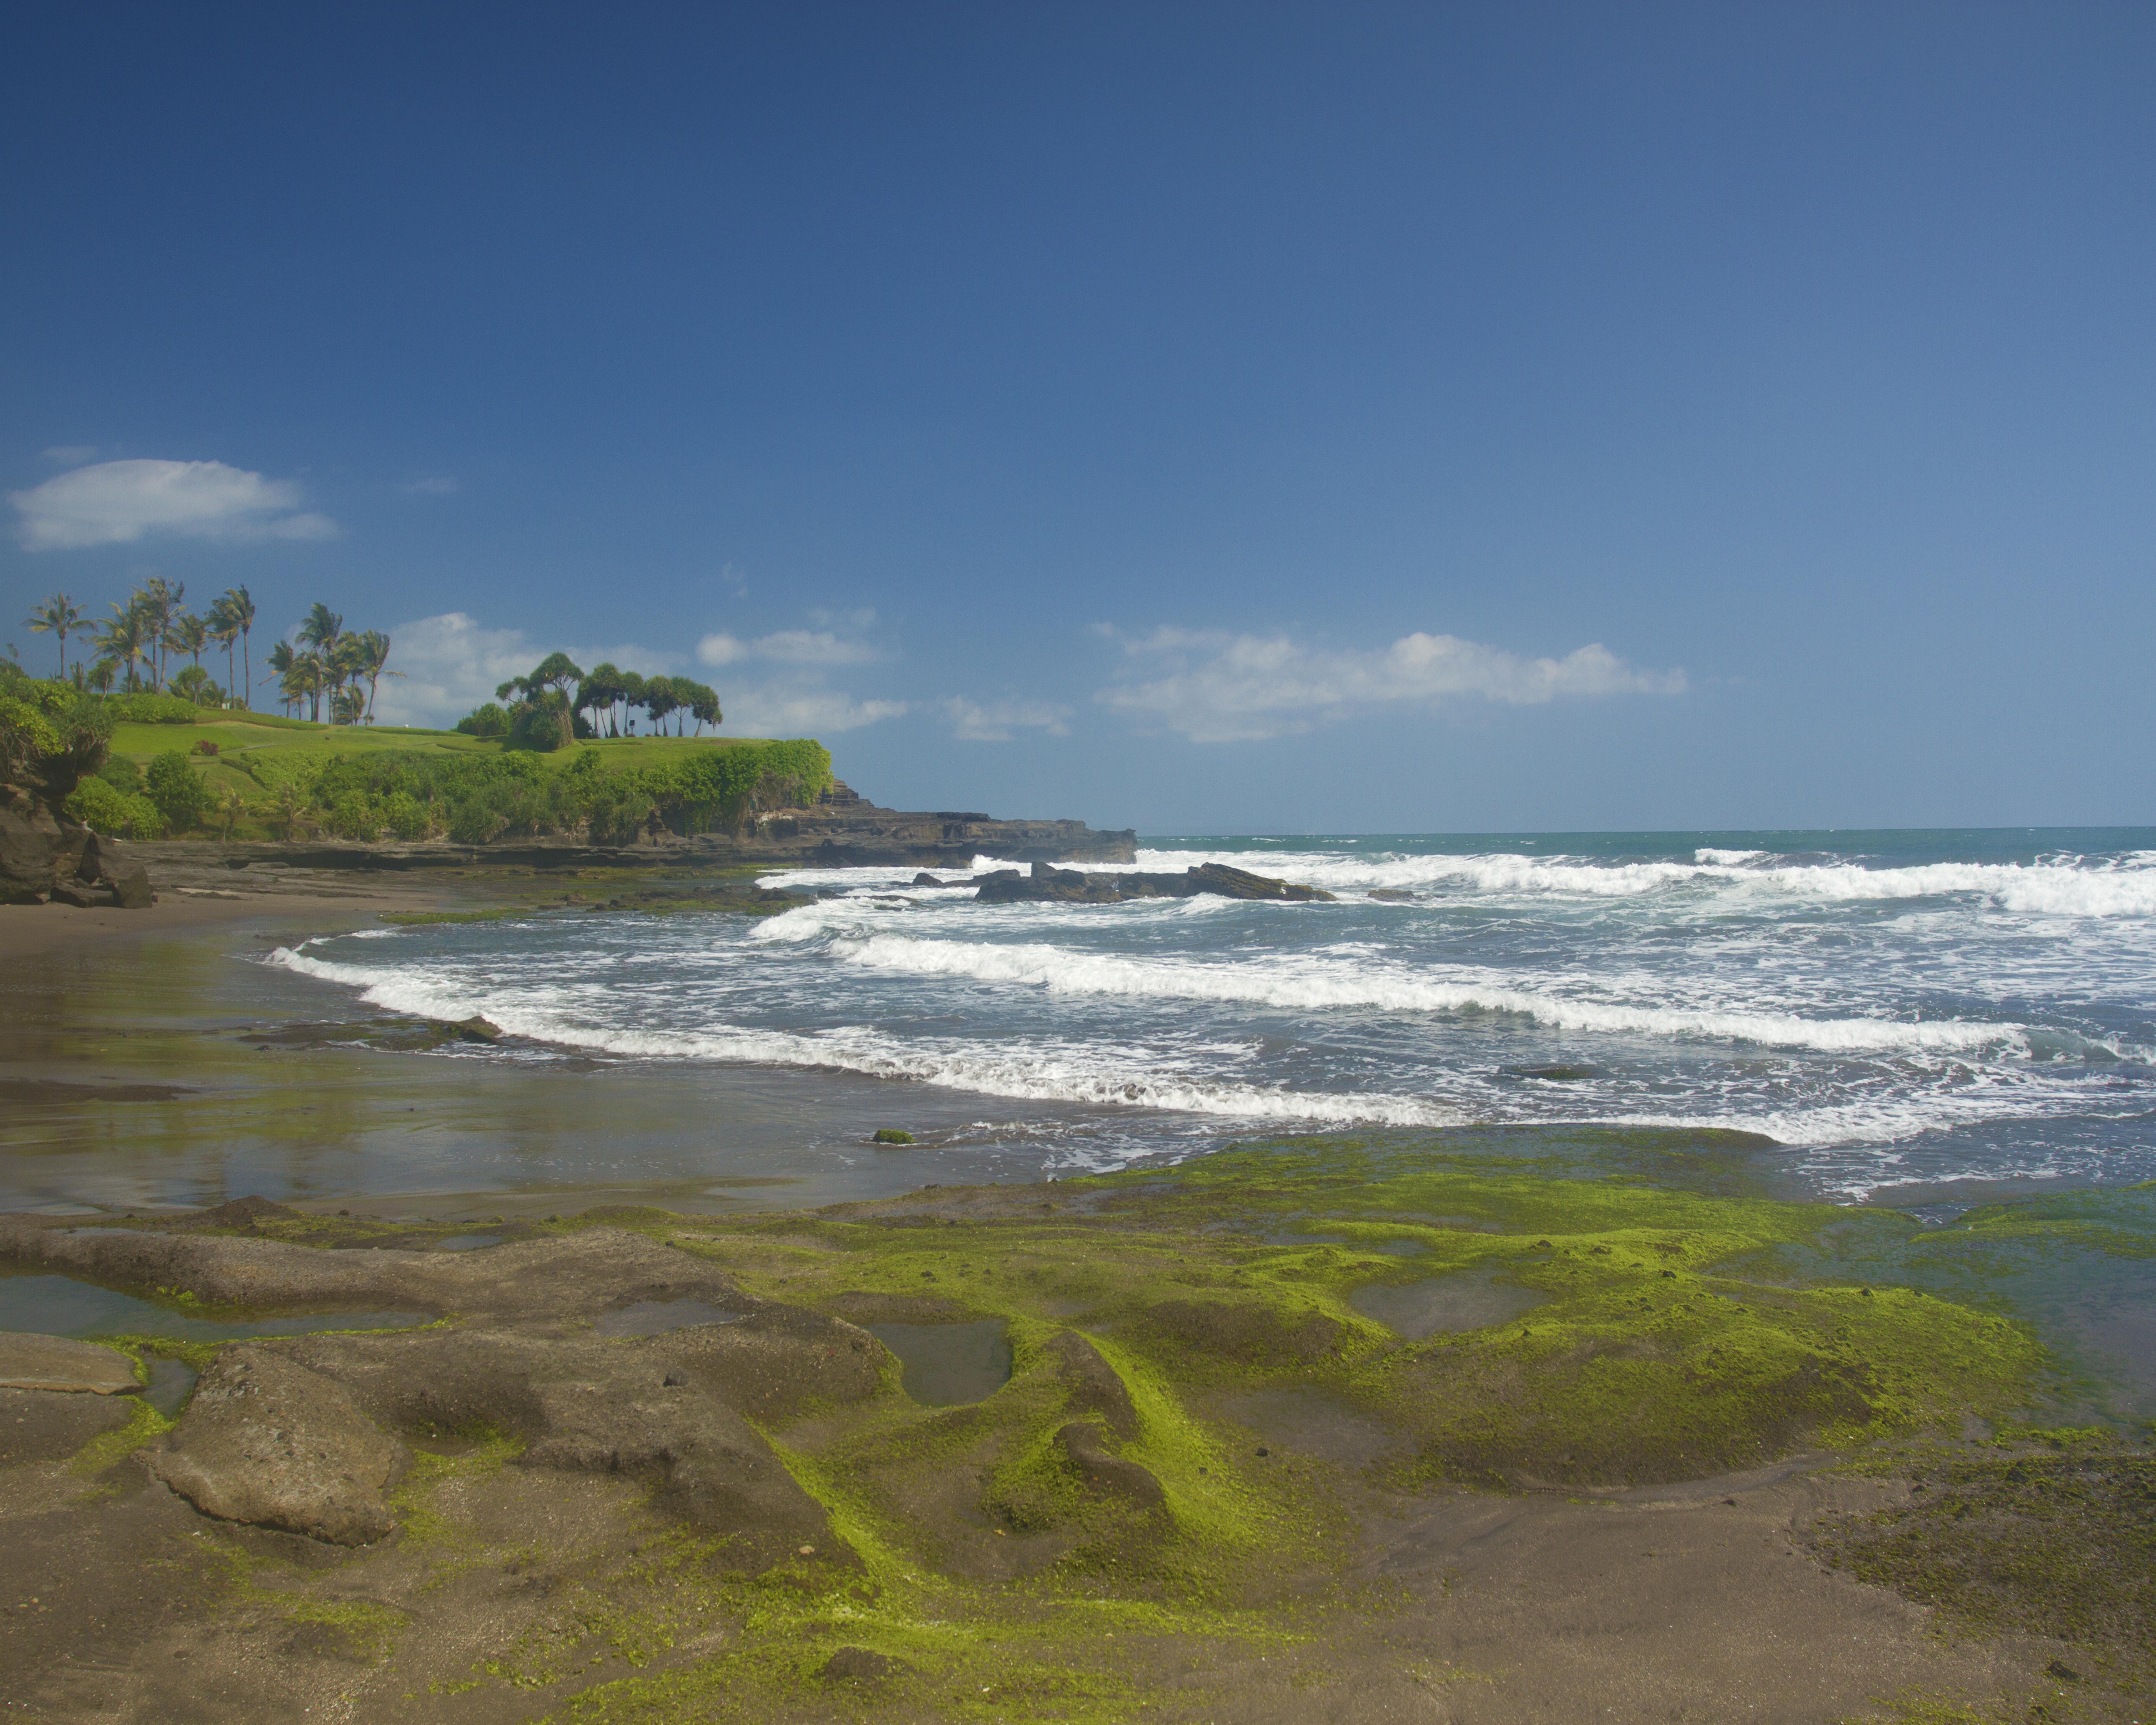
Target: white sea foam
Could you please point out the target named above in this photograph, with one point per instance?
(1305, 983)
(1090, 1074)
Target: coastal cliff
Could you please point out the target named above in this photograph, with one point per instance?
(839, 829)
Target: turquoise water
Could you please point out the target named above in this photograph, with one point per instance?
(1889, 1008)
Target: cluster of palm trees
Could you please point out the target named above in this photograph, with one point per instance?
(138, 643)
(138, 646)
(324, 664)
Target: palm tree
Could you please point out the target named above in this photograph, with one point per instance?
(100, 676)
(223, 628)
(58, 615)
(241, 609)
(281, 658)
(372, 657)
(189, 634)
(124, 637)
(230, 807)
(159, 601)
(306, 680)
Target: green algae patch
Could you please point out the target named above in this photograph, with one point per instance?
(2057, 1540)
(145, 1425)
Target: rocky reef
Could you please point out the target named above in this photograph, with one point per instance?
(1048, 885)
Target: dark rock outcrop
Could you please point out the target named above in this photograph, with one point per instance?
(1047, 885)
(45, 857)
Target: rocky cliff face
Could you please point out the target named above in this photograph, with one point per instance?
(44, 857)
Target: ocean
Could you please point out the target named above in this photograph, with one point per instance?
(1892, 1009)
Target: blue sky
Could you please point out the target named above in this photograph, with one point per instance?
(1236, 417)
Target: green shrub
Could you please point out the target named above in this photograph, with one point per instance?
(97, 805)
(123, 775)
(181, 797)
(407, 817)
(151, 709)
(487, 720)
(352, 815)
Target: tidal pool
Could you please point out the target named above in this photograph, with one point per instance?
(949, 1365)
(61, 1306)
(1469, 1300)
(656, 1317)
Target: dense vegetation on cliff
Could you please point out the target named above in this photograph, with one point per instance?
(147, 766)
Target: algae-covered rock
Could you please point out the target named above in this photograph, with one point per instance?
(1095, 1387)
(1104, 1471)
(268, 1442)
(1246, 1330)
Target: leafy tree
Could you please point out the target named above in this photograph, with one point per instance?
(487, 720)
(659, 700)
(601, 688)
(704, 706)
(195, 685)
(177, 790)
(551, 676)
(56, 616)
(632, 695)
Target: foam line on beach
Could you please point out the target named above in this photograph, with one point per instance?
(1088, 1074)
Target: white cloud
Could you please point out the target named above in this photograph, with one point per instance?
(972, 722)
(789, 646)
(804, 712)
(1221, 687)
(118, 502)
(70, 454)
(440, 486)
(450, 664)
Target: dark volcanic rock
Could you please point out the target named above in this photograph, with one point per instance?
(268, 1442)
(1046, 884)
(28, 852)
(104, 861)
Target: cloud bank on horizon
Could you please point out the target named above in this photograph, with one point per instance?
(119, 502)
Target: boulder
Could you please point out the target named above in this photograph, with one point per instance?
(28, 848)
(67, 892)
(268, 1442)
(55, 1363)
(104, 861)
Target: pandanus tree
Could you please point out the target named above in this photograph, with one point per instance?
(552, 676)
(597, 693)
(58, 616)
(659, 700)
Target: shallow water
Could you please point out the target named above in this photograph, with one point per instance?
(657, 1317)
(1468, 1300)
(61, 1306)
(949, 1365)
(1890, 1008)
